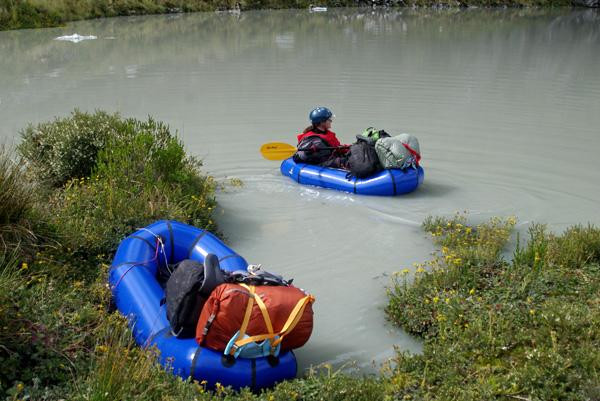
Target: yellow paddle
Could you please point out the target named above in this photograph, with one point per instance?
(277, 150)
(280, 150)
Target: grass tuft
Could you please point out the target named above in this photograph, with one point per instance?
(16, 204)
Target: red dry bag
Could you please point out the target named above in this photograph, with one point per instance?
(280, 314)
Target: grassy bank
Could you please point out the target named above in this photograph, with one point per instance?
(524, 329)
(20, 14)
(521, 329)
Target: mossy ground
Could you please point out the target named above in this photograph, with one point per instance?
(527, 328)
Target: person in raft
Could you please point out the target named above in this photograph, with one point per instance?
(317, 144)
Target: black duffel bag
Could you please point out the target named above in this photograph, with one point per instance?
(362, 160)
(188, 287)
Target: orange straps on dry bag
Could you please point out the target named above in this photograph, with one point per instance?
(289, 325)
(249, 306)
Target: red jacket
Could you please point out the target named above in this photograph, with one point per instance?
(328, 137)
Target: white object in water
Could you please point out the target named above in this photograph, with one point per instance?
(316, 9)
(76, 38)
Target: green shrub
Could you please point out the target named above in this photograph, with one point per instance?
(578, 247)
(67, 148)
(142, 175)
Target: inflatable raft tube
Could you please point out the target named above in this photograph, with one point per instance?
(138, 295)
(389, 182)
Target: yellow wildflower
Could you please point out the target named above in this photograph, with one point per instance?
(24, 266)
(435, 300)
(101, 348)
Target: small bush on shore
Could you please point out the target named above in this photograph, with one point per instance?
(67, 148)
(112, 175)
(142, 175)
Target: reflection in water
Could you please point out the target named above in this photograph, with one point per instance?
(504, 102)
(285, 41)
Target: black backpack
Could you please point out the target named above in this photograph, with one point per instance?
(188, 287)
(363, 160)
(312, 150)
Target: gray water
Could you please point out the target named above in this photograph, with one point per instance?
(506, 105)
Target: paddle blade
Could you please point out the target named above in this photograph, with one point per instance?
(277, 150)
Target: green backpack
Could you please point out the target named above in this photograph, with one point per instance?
(372, 135)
